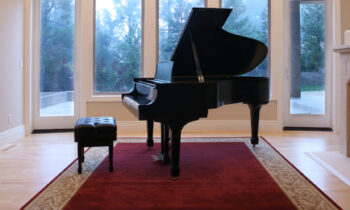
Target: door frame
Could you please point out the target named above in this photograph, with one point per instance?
(53, 122)
(307, 120)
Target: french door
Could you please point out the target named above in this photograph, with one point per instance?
(308, 81)
(54, 86)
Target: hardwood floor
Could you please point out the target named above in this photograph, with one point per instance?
(28, 164)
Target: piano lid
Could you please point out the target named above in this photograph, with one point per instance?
(205, 45)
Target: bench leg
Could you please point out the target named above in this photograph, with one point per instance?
(80, 157)
(110, 146)
(82, 154)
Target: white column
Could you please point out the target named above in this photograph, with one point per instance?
(27, 65)
(150, 34)
(213, 3)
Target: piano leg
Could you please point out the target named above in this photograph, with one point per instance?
(149, 133)
(254, 120)
(175, 128)
(164, 153)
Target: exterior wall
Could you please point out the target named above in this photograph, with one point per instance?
(11, 63)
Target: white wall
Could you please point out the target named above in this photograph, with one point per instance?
(11, 56)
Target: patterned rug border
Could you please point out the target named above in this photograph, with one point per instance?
(300, 198)
(301, 173)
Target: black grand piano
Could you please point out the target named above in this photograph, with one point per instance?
(203, 74)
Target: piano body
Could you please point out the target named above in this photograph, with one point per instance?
(203, 74)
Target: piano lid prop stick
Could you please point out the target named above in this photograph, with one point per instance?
(198, 67)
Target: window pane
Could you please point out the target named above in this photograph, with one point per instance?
(172, 18)
(307, 58)
(117, 44)
(57, 58)
(249, 19)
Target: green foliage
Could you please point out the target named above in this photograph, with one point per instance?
(245, 23)
(57, 45)
(312, 88)
(312, 37)
(118, 46)
(238, 21)
(172, 18)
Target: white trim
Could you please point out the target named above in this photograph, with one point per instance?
(77, 58)
(12, 134)
(27, 74)
(337, 41)
(53, 122)
(277, 62)
(204, 126)
(212, 3)
(330, 168)
(105, 98)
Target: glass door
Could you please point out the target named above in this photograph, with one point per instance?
(308, 78)
(54, 86)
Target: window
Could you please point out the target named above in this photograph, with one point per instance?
(118, 37)
(57, 58)
(172, 18)
(250, 19)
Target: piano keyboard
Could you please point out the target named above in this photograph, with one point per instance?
(135, 101)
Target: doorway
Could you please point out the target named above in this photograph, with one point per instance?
(55, 101)
(308, 100)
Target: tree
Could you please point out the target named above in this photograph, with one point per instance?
(118, 46)
(243, 23)
(238, 21)
(172, 19)
(312, 37)
(57, 45)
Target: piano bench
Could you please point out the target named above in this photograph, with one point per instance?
(95, 132)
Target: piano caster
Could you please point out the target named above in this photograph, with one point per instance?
(175, 173)
(149, 143)
(254, 141)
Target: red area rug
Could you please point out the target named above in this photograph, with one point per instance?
(214, 175)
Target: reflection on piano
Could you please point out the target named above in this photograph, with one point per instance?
(202, 74)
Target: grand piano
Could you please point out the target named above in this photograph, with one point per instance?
(204, 73)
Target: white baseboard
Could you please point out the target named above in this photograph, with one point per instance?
(204, 126)
(12, 134)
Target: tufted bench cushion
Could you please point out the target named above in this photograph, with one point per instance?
(95, 128)
(92, 132)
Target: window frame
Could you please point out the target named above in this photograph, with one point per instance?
(327, 120)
